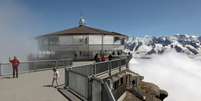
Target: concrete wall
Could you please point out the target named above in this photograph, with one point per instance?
(96, 91)
(79, 84)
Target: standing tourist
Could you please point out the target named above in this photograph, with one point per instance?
(15, 63)
(96, 58)
(55, 76)
(110, 57)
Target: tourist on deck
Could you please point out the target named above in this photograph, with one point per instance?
(103, 58)
(110, 57)
(96, 58)
(15, 63)
(118, 53)
(55, 76)
(133, 83)
(75, 56)
(129, 55)
(113, 53)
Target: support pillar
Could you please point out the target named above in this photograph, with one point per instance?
(67, 76)
(109, 67)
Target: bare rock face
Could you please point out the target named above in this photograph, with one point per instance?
(152, 92)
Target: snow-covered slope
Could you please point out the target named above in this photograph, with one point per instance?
(143, 46)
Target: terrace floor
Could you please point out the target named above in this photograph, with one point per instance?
(33, 86)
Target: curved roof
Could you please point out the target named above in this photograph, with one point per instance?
(84, 30)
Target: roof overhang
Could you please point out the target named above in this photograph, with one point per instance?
(83, 30)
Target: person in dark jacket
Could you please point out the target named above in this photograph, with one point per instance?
(103, 58)
(96, 58)
(15, 63)
(110, 57)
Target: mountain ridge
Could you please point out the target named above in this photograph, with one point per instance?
(188, 44)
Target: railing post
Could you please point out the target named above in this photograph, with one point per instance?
(35, 65)
(0, 69)
(119, 65)
(89, 90)
(56, 63)
(109, 67)
(127, 67)
(66, 76)
(94, 69)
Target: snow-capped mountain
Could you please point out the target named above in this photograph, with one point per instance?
(190, 45)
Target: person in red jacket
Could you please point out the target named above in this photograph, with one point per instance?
(15, 63)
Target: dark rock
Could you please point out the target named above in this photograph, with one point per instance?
(178, 49)
(163, 95)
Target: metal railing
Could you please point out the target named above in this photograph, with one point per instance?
(100, 67)
(109, 65)
(77, 74)
(31, 66)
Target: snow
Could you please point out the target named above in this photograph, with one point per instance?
(157, 44)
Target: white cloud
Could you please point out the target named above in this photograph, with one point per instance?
(16, 30)
(174, 72)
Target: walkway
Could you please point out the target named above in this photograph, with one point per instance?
(31, 87)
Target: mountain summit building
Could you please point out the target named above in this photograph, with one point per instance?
(81, 42)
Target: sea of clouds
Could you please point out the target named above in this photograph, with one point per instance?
(175, 72)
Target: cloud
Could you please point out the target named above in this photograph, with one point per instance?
(174, 72)
(16, 30)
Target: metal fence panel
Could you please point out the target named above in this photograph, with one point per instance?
(115, 64)
(101, 67)
(85, 70)
(123, 62)
(6, 68)
(77, 78)
(30, 66)
(78, 84)
(96, 91)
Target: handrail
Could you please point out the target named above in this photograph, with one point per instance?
(39, 61)
(36, 65)
(100, 67)
(90, 71)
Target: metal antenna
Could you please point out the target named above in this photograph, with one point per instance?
(82, 20)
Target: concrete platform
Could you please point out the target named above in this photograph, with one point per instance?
(130, 97)
(31, 87)
(69, 95)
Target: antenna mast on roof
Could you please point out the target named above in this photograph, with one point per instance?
(82, 21)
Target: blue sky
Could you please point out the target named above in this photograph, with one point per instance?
(132, 17)
(22, 20)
